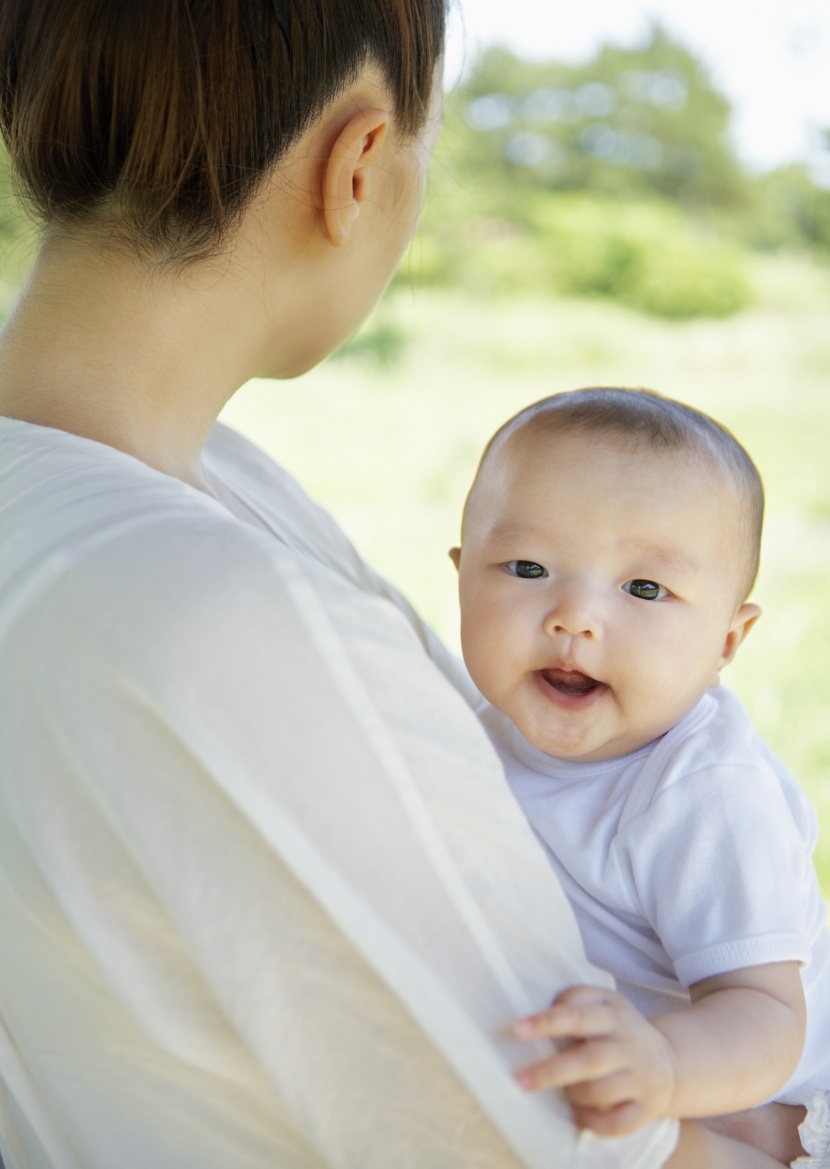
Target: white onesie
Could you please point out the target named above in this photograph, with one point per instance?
(686, 859)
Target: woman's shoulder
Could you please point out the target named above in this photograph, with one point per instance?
(64, 492)
(63, 496)
(87, 531)
(266, 491)
(92, 538)
(285, 508)
(115, 578)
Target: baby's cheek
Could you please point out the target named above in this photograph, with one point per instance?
(494, 673)
(476, 655)
(487, 673)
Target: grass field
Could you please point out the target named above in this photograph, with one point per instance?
(387, 435)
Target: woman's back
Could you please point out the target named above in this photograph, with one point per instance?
(227, 832)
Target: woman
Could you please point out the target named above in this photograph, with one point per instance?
(264, 899)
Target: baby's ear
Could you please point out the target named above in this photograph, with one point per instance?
(455, 556)
(742, 622)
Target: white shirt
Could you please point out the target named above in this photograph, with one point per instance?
(265, 898)
(688, 858)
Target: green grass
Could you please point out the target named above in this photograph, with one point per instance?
(387, 436)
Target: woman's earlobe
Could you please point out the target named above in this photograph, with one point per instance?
(348, 171)
(345, 216)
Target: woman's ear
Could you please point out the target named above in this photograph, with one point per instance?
(348, 171)
(455, 556)
(742, 622)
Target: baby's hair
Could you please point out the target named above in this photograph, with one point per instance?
(160, 119)
(647, 420)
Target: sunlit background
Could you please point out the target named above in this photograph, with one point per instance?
(632, 194)
(772, 60)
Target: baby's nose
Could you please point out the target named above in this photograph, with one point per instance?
(574, 616)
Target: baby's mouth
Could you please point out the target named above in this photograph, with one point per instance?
(572, 682)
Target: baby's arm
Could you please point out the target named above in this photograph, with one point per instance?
(736, 1046)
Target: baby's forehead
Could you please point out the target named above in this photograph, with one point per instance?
(510, 491)
(540, 449)
(650, 435)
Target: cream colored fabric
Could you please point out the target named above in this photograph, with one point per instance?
(265, 899)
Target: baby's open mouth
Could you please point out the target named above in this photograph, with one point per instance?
(572, 682)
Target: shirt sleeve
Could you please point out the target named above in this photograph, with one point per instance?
(254, 842)
(719, 868)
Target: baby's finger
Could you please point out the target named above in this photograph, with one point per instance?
(611, 1122)
(587, 994)
(604, 1093)
(571, 1019)
(574, 1065)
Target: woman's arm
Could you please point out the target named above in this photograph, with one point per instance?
(736, 1045)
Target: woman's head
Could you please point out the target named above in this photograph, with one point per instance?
(158, 120)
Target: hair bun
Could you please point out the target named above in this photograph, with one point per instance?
(160, 118)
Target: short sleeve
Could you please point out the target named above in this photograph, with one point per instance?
(255, 841)
(719, 869)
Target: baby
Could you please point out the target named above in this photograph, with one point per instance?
(609, 544)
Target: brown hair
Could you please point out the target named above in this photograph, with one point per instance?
(162, 117)
(645, 419)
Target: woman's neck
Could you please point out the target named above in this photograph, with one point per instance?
(143, 359)
(102, 348)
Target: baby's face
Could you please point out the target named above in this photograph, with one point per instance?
(600, 589)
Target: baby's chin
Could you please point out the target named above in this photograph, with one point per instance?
(587, 752)
(592, 749)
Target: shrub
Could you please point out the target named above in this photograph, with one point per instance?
(647, 255)
(644, 254)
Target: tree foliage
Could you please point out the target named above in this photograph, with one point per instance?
(631, 121)
(614, 178)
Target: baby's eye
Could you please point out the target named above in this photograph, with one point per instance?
(527, 569)
(646, 590)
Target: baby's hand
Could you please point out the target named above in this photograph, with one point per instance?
(618, 1070)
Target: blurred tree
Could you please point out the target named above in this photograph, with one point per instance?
(607, 179)
(631, 121)
(790, 210)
